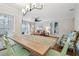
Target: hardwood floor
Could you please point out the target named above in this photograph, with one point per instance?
(59, 48)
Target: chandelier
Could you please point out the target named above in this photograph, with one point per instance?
(31, 6)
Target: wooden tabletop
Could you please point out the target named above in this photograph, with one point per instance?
(32, 46)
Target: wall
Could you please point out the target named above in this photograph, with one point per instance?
(66, 25)
(77, 18)
(54, 12)
(5, 9)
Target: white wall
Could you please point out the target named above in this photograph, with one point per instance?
(5, 9)
(66, 25)
(77, 18)
(55, 12)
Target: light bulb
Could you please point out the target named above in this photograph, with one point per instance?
(27, 7)
(23, 10)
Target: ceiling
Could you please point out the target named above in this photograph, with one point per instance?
(50, 9)
(22, 5)
(18, 6)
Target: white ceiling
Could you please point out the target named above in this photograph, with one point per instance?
(22, 5)
(18, 6)
(49, 10)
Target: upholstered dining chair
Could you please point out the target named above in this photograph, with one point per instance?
(52, 52)
(15, 50)
(74, 36)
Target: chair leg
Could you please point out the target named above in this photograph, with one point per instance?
(74, 52)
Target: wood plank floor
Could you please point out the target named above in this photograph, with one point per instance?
(59, 48)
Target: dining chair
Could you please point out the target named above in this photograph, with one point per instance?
(52, 52)
(15, 50)
(74, 36)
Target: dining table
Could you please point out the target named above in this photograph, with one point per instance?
(34, 47)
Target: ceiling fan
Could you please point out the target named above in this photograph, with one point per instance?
(37, 20)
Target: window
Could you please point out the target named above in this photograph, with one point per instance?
(6, 24)
(25, 28)
(56, 28)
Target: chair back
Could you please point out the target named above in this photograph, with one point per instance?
(66, 46)
(8, 46)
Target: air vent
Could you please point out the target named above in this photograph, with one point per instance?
(72, 9)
